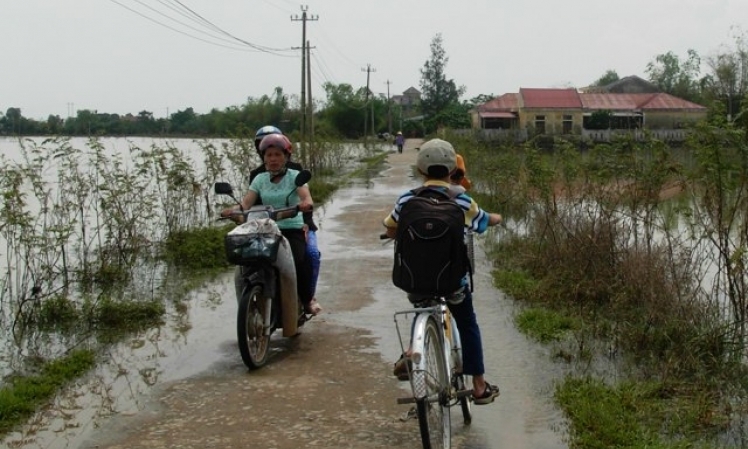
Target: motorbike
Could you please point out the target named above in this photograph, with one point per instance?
(267, 289)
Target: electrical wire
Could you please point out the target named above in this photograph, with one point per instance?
(226, 33)
(243, 45)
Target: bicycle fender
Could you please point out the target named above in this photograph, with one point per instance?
(419, 330)
(456, 345)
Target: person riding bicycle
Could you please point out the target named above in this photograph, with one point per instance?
(274, 186)
(312, 250)
(436, 161)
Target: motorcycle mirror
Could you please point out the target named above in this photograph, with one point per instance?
(223, 188)
(303, 177)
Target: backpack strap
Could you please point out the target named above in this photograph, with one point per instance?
(447, 194)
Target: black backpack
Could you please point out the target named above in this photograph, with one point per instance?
(431, 256)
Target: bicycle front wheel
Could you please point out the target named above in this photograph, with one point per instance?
(433, 408)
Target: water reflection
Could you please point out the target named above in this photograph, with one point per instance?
(188, 343)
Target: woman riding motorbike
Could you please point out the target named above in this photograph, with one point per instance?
(312, 249)
(273, 186)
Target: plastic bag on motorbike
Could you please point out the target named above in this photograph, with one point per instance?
(252, 242)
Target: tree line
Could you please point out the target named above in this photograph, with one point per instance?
(349, 112)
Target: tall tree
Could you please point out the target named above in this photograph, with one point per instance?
(437, 92)
(727, 81)
(676, 77)
(344, 111)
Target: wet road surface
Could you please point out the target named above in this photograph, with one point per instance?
(330, 387)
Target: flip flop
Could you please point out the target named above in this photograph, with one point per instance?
(313, 308)
(489, 395)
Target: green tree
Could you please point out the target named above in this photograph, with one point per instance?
(437, 92)
(344, 111)
(54, 124)
(184, 122)
(12, 122)
(481, 99)
(676, 77)
(599, 120)
(727, 81)
(266, 110)
(610, 76)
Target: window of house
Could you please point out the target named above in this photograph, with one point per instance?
(567, 124)
(540, 124)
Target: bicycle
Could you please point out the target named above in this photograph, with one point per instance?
(434, 363)
(435, 371)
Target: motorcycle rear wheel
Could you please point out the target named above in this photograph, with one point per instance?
(253, 343)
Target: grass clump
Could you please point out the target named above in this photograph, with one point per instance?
(197, 248)
(516, 283)
(22, 396)
(544, 325)
(127, 314)
(632, 414)
(58, 311)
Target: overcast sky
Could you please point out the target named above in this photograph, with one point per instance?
(120, 56)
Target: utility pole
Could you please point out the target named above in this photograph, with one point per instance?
(368, 71)
(389, 111)
(304, 18)
(310, 105)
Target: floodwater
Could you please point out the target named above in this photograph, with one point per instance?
(200, 340)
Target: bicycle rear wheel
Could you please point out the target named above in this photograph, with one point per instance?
(432, 408)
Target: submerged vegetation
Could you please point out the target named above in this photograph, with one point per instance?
(92, 236)
(20, 397)
(629, 259)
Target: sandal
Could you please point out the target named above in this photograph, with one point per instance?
(313, 308)
(489, 394)
(402, 368)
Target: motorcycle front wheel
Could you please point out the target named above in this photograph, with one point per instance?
(250, 329)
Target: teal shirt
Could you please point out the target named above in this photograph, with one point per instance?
(275, 195)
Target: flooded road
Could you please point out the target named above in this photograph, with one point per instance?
(184, 385)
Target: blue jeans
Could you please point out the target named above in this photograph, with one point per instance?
(312, 251)
(467, 324)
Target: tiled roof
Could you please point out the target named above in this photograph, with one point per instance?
(506, 102)
(667, 101)
(623, 102)
(614, 102)
(550, 98)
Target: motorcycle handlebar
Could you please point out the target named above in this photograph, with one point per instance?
(275, 214)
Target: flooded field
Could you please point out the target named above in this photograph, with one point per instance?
(183, 384)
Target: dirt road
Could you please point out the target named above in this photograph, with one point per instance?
(331, 387)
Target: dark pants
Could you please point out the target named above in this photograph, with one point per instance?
(302, 263)
(467, 324)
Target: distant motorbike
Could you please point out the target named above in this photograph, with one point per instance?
(268, 298)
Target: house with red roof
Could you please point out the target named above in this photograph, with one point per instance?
(555, 111)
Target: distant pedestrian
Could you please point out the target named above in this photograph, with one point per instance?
(399, 141)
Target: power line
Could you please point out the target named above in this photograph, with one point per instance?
(220, 30)
(252, 47)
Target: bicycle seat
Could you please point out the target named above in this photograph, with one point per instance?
(425, 300)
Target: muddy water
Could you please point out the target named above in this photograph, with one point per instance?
(184, 385)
